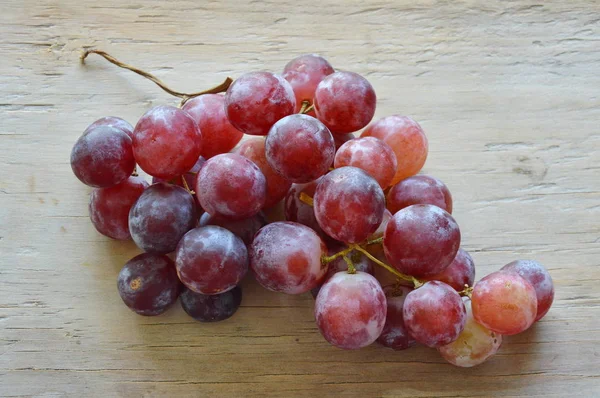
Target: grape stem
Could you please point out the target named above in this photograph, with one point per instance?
(351, 268)
(184, 96)
(306, 199)
(186, 186)
(467, 291)
(306, 107)
(417, 283)
(328, 259)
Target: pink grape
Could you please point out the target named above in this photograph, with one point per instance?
(474, 345)
(115, 122)
(298, 211)
(345, 102)
(349, 204)
(419, 189)
(371, 155)
(231, 186)
(286, 257)
(277, 186)
(350, 310)
(211, 260)
(304, 73)
(459, 273)
(218, 135)
(256, 100)
(394, 334)
(504, 302)
(407, 140)
(434, 314)
(161, 216)
(244, 229)
(421, 240)
(102, 157)
(300, 148)
(109, 207)
(535, 273)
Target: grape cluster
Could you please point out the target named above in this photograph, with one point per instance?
(353, 206)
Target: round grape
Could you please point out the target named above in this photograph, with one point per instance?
(211, 308)
(244, 229)
(459, 273)
(535, 273)
(419, 189)
(304, 73)
(115, 122)
(394, 334)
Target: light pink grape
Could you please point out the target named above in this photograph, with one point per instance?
(535, 273)
(304, 73)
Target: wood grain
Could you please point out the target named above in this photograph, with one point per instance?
(508, 93)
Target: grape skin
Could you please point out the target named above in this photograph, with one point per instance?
(297, 211)
(349, 204)
(190, 177)
(504, 302)
(115, 122)
(102, 157)
(211, 260)
(148, 284)
(394, 334)
(434, 314)
(213, 308)
(535, 273)
(459, 273)
(419, 189)
(109, 207)
(350, 310)
(286, 257)
(421, 240)
(256, 100)
(161, 216)
(166, 142)
(244, 229)
(300, 148)
(304, 73)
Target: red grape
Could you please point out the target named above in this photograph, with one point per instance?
(109, 207)
(535, 273)
(286, 257)
(102, 157)
(504, 302)
(421, 240)
(304, 73)
(474, 345)
(300, 148)
(161, 216)
(434, 314)
(349, 204)
(166, 142)
(148, 284)
(231, 186)
(350, 310)
(256, 100)
(371, 155)
(115, 122)
(277, 186)
(211, 308)
(218, 135)
(345, 102)
(394, 334)
(211, 260)
(459, 273)
(341, 139)
(419, 189)
(407, 140)
(244, 229)
(298, 211)
(190, 176)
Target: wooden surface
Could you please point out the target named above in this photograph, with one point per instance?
(508, 94)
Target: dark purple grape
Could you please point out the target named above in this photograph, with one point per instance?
(213, 308)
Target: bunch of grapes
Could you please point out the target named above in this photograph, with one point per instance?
(353, 206)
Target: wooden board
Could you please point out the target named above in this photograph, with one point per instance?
(508, 93)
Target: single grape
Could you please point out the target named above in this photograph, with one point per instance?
(115, 122)
(161, 216)
(350, 310)
(394, 334)
(211, 260)
(434, 314)
(231, 186)
(244, 229)
(407, 140)
(256, 100)
(535, 273)
(341, 139)
(304, 73)
(148, 284)
(345, 102)
(166, 142)
(286, 257)
(421, 240)
(277, 186)
(298, 211)
(474, 345)
(109, 207)
(349, 204)
(102, 157)
(459, 273)
(419, 189)
(211, 308)
(371, 155)
(218, 135)
(300, 148)
(504, 302)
